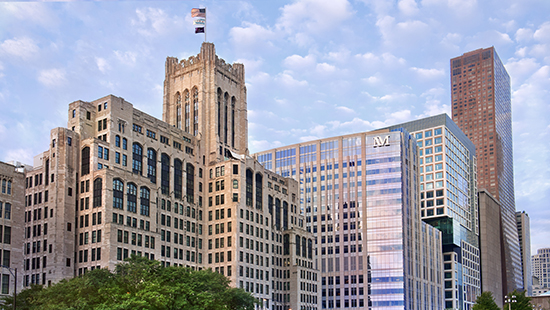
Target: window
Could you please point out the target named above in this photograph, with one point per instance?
(85, 168)
(165, 174)
(144, 201)
(178, 178)
(152, 165)
(98, 184)
(259, 191)
(131, 196)
(137, 158)
(117, 141)
(249, 193)
(118, 194)
(124, 144)
(190, 183)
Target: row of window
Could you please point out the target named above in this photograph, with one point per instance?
(6, 186)
(131, 221)
(29, 201)
(95, 255)
(131, 197)
(84, 237)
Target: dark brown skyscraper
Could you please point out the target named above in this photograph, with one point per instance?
(482, 107)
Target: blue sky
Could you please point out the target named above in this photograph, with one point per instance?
(314, 68)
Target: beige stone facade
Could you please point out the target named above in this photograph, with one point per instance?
(183, 191)
(12, 188)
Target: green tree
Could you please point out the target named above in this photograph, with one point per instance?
(485, 301)
(522, 302)
(140, 283)
(24, 298)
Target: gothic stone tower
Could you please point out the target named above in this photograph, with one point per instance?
(206, 97)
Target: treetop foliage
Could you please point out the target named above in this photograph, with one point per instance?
(138, 283)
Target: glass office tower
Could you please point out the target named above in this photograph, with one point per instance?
(360, 195)
(482, 108)
(447, 175)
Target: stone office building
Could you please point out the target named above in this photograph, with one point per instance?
(181, 190)
(12, 188)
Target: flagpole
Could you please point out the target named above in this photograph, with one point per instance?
(205, 24)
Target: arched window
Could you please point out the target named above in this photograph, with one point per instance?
(9, 186)
(219, 111)
(259, 189)
(225, 115)
(249, 184)
(144, 201)
(118, 194)
(190, 182)
(98, 185)
(152, 165)
(178, 110)
(117, 141)
(137, 158)
(3, 186)
(232, 121)
(195, 111)
(131, 196)
(187, 111)
(165, 174)
(298, 245)
(124, 144)
(85, 166)
(178, 178)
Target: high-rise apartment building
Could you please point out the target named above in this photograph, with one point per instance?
(12, 189)
(481, 107)
(360, 196)
(183, 191)
(540, 265)
(447, 177)
(524, 233)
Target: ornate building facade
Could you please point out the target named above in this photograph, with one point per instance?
(181, 190)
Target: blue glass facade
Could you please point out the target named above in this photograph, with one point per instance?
(360, 197)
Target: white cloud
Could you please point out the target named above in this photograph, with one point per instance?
(52, 77)
(519, 69)
(30, 12)
(408, 7)
(524, 35)
(250, 35)
(287, 80)
(543, 33)
(21, 155)
(102, 64)
(407, 33)
(128, 58)
(297, 62)
(429, 73)
(345, 109)
(23, 47)
(314, 16)
(154, 21)
(262, 145)
(325, 68)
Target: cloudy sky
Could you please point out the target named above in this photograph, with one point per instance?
(314, 68)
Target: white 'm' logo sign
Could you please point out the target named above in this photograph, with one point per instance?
(378, 142)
